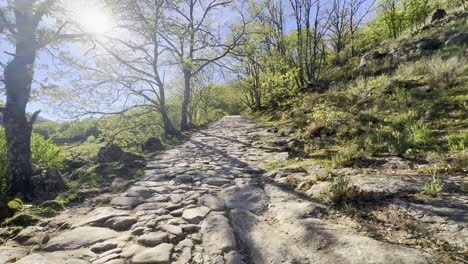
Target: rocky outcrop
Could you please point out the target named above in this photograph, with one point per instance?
(429, 44)
(48, 184)
(109, 153)
(372, 57)
(459, 39)
(436, 15)
(152, 144)
(114, 153)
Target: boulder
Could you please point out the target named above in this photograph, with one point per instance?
(437, 15)
(114, 153)
(372, 56)
(130, 157)
(48, 184)
(152, 144)
(459, 39)
(73, 164)
(109, 153)
(429, 44)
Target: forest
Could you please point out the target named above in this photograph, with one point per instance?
(93, 91)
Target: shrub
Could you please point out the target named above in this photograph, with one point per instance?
(91, 139)
(45, 154)
(457, 142)
(325, 175)
(342, 192)
(445, 72)
(15, 204)
(433, 187)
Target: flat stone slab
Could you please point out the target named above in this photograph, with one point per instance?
(246, 197)
(152, 239)
(103, 247)
(126, 202)
(120, 223)
(218, 234)
(195, 215)
(213, 202)
(9, 254)
(79, 237)
(139, 192)
(100, 215)
(175, 230)
(161, 254)
(36, 259)
(217, 181)
(150, 206)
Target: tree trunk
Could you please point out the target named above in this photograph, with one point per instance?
(18, 79)
(169, 129)
(185, 103)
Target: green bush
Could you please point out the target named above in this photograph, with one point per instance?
(91, 139)
(45, 154)
(15, 204)
(342, 192)
(433, 187)
(458, 142)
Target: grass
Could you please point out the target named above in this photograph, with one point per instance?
(433, 187)
(342, 192)
(85, 151)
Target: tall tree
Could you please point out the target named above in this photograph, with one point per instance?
(125, 69)
(196, 41)
(20, 21)
(358, 11)
(339, 14)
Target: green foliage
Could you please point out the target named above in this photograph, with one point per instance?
(458, 142)
(416, 11)
(342, 192)
(11, 232)
(68, 198)
(80, 130)
(325, 175)
(132, 128)
(391, 17)
(91, 139)
(21, 219)
(15, 204)
(433, 187)
(45, 154)
(46, 129)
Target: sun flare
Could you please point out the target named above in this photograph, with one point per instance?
(95, 21)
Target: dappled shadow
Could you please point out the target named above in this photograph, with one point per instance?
(307, 228)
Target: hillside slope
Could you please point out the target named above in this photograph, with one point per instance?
(386, 141)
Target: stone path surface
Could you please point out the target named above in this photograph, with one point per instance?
(207, 201)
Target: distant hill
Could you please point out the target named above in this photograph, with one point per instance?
(39, 119)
